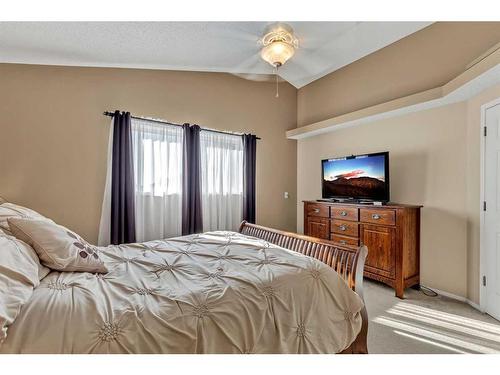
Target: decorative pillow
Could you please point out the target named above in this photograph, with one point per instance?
(8, 210)
(58, 247)
(20, 273)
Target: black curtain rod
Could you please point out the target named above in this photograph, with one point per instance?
(111, 114)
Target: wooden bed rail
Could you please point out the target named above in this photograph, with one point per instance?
(349, 263)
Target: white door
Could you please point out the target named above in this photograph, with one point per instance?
(492, 213)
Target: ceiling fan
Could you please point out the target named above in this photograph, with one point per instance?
(277, 45)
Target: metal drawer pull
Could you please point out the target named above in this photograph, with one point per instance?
(343, 213)
(342, 227)
(316, 210)
(343, 242)
(375, 216)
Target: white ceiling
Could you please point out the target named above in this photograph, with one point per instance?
(197, 46)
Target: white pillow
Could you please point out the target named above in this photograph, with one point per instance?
(20, 273)
(8, 210)
(58, 247)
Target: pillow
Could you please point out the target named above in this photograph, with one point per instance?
(58, 247)
(8, 210)
(20, 273)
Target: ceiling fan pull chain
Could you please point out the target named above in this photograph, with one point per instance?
(277, 85)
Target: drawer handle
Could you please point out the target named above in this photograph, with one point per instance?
(316, 210)
(343, 213)
(342, 242)
(342, 227)
(375, 216)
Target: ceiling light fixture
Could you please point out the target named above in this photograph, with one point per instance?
(279, 44)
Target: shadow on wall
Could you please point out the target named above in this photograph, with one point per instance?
(473, 258)
(442, 255)
(416, 179)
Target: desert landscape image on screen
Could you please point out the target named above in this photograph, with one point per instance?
(360, 177)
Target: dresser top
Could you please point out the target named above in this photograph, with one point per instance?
(366, 205)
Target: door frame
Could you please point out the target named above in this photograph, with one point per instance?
(482, 250)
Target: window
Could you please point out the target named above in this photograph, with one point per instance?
(158, 158)
(157, 150)
(221, 180)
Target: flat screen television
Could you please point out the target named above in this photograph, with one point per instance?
(360, 177)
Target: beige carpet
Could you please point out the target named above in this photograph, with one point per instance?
(420, 324)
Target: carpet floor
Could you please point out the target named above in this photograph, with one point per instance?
(421, 324)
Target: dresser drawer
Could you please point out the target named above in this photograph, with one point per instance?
(377, 216)
(318, 227)
(344, 213)
(352, 242)
(319, 210)
(346, 228)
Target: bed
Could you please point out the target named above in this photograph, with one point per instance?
(258, 290)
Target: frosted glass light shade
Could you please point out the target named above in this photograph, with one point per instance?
(277, 53)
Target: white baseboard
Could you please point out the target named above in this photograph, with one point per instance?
(475, 305)
(455, 297)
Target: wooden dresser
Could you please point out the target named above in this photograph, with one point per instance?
(391, 233)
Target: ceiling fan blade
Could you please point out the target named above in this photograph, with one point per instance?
(251, 63)
(260, 71)
(246, 32)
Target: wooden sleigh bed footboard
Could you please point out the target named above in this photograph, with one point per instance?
(348, 263)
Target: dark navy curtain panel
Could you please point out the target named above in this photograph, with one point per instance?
(122, 181)
(249, 170)
(191, 181)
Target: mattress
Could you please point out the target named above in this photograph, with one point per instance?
(217, 292)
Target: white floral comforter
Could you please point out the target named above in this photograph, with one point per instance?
(217, 292)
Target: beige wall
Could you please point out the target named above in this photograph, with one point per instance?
(434, 161)
(53, 136)
(423, 60)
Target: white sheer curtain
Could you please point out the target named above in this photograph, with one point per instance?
(158, 179)
(221, 180)
(104, 236)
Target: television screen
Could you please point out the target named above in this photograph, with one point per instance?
(358, 177)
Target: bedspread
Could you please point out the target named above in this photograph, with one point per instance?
(217, 292)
